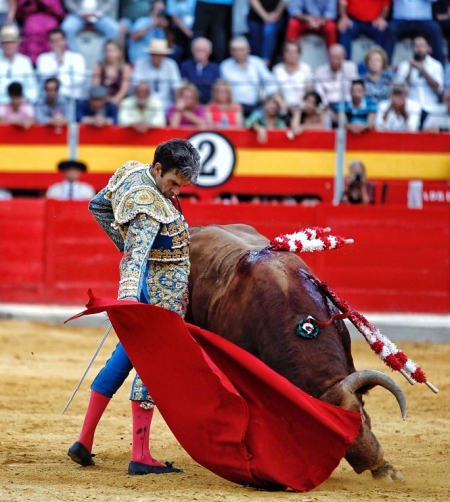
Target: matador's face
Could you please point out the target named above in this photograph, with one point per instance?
(170, 183)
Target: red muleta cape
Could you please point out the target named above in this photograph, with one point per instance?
(229, 411)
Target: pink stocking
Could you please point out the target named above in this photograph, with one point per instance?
(97, 405)
(142, 420)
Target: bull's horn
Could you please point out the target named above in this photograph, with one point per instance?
(359, 379)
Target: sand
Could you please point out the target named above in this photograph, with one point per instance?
(41, 364)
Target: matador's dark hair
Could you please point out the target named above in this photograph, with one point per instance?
(178, 155)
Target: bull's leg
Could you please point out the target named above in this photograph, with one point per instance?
(387, 472)
(366, 453)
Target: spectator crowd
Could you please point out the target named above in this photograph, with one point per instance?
(195, 63)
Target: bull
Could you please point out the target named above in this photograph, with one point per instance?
(255, 297)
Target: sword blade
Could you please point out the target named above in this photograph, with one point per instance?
(91, 362)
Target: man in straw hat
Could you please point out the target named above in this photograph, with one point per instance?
(15, 67)
(159, 71)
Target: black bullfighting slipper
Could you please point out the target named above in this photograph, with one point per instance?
(80, 454)
(138, 469)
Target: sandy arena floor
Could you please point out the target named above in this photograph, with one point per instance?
(40, 366)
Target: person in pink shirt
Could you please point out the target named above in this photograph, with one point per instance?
(18, 111)
(187, 111)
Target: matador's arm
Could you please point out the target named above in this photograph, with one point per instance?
(101, 208)
(139, 239)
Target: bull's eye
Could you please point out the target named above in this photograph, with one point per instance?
(307, 328)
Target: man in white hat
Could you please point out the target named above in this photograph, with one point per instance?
(159, 71)
(15, 67)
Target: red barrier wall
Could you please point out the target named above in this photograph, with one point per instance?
(300, 167)
(52, 252)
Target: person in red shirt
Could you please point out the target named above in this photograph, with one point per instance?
(368, 18)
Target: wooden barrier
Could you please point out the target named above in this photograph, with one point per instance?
(52, 252)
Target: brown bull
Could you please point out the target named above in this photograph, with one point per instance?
(256, 298)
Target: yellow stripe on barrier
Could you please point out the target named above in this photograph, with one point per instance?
(250, 162)
(380, 165)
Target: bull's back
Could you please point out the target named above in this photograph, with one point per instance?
(255, 297)
(240, 236)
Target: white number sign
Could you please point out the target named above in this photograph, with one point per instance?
(218, 158)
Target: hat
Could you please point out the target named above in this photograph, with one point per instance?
(72, 164)
(9, 34)
(159, 46)
(98, 91)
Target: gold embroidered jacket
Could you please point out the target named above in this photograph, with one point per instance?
(150, 231)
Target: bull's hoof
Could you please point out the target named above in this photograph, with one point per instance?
(387, 472)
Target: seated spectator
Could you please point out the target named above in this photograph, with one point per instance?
(212, 20)
(37, 19)
(71, 188)
(199, 70)
(145, 29)
(129, 12)
(92, 13)
(411, 18)
(272, 115)
(97, 111)
(439, 120)
(358, 189)
(222, 111)
(18, 112)
(399, 113)
(113, 73)
(423, 74)
(187, 111)
(310, 115)
(364, 18)
(67, 66)
(310, 16)
(15, 67)
(378, 76)
(360, 110)
(265, 20)
(52, 109)
(182, 14)
(328, 79)
(160, 72)
(292, 75)
(8, 11)
(141, 111)
(442, 15)
(247, 75)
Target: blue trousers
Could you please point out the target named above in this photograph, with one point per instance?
(381, 38)
(263, 38)
(73, 24)
(118, 367)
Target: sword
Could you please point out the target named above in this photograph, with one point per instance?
(91, 362)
